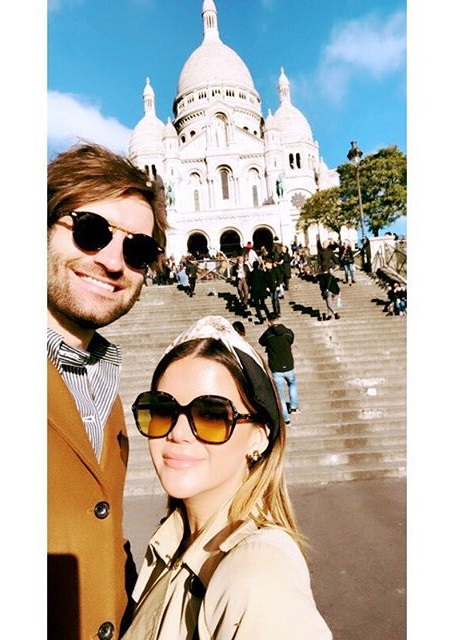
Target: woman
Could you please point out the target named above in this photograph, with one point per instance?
(226, 562)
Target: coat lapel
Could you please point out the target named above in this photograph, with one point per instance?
(63, 415)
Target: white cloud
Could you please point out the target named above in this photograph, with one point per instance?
(368, 46)
(71, 118)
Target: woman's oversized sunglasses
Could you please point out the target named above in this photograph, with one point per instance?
(92, 232)
(211, 418)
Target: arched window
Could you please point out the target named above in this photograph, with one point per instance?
(255, 195)
(298, 160)
(291, 160)
(225, 186)
(196, 200)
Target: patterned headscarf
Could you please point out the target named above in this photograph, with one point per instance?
(248, 359)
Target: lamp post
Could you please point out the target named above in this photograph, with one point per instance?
(355, 155)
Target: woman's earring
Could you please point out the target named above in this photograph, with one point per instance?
(253, 457)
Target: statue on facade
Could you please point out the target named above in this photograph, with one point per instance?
(280, 186)
(170, 195)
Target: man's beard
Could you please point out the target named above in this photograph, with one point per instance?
(64, 303)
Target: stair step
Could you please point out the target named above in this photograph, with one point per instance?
(351, 375)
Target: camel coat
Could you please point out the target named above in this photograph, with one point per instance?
(86, 562)
(241, 584)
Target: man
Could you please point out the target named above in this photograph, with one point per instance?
(240, 274)
(191, 272)
(273, 282)
(106, 222)
(277, 340)
(258, 291)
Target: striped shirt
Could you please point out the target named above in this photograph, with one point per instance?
(92, 377)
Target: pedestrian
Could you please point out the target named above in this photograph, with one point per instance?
(239, 327)
(326, 256)
(192, 273)
(347, 262)
(285, 267)
(258, 290)
(277, 341)
(273, 282)
(106, 222)
(227, 561)
(240, 277)
(330, 290)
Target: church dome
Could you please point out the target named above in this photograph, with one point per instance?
(148, 133)
(290, 120)
(213, 61)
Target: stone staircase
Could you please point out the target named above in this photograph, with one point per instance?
(351, 375)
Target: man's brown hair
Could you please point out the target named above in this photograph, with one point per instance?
(89, 172)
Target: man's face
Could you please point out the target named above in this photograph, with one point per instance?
(89, 290)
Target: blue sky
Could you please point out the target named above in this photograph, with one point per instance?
(346, 62)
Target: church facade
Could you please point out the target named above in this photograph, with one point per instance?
(231, 175)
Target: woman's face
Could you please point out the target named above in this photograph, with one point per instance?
(199, 473)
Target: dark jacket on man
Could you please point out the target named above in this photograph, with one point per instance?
(277, 340)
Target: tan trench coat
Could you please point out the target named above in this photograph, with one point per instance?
(86, 570)
(248, 584)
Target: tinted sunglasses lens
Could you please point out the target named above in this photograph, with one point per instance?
(140, 251)
(91, 232)
(213, 419)
(154, 414)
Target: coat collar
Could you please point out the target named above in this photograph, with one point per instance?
(201, 558)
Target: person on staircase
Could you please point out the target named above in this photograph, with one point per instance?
(273, 282)
(258, 291)
(277, 341)
(192, 273)
(240, 275)
(330, 290)
(347, 262)
(106, 226)
(228, 559)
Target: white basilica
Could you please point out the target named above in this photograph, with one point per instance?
(231, 175)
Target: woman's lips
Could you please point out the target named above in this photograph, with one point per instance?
(179, 461)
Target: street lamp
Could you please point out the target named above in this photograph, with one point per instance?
(355, 155)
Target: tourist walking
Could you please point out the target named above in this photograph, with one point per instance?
(191, 272)
(240, 278)
(273, 282)
(277, 341)
(258, 291)
(347, 262)
(330, 290)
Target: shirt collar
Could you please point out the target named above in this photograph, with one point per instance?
(62, 355)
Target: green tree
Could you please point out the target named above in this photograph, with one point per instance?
(325, 207)
(382, 177)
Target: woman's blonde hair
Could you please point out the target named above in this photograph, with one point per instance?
(263, 496)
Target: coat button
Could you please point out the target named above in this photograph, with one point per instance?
(106, 631)
(101, 510)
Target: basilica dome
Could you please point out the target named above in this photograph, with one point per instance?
(290, 120)
(213, 62)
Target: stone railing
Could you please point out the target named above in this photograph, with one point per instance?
(389, 256)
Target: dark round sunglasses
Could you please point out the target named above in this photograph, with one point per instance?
(211, 418)
(92, 232)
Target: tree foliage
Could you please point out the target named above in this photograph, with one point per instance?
(325, 207)
(383, 178)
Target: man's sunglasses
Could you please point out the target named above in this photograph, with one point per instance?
(211, 418)
(92, 232)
